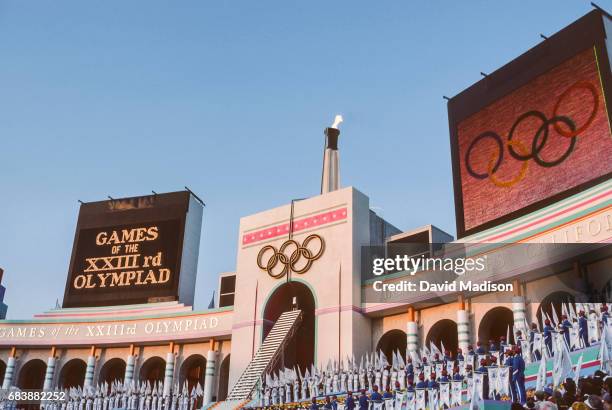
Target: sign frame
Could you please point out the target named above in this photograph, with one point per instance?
(587, 32)
(178, 208)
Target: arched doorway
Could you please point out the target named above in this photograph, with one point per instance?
(494, 324)
(192, 371)
(391, 341)
(443, 332)
(32, 375)
(224, 378)
(72, 374)
(2, 369)
(554, 301)
(152, 370)
(112, 370)
(606, 292)
(300, 350)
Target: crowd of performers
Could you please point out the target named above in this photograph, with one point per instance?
(436, 378)
(116, 395)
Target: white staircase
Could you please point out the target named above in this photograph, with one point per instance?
(269, 351)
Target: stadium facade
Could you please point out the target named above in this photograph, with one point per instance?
(532, 149)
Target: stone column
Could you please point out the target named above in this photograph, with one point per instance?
(129, 369)
(91, 365)
(412, 332)
(209, 374)
(169, 373)
(518, 312)
(48, 385)
(463, 330)
(10, 370)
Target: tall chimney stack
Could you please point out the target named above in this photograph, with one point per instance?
(330, 178)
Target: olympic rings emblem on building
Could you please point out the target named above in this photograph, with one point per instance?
(563, 125)
(292, 256)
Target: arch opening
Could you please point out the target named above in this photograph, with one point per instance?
(2, 369)
(444, 332)
(606, 292)
(554, 301)
(300, 350)
(224, 378)
(32, 375)
(494, 324)
(113, 370)
(152, 370)
(192, 371)
(72, 373)
(391, 341)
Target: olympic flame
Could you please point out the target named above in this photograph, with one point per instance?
(337, 121)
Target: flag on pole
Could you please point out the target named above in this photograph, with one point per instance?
(456, 387)
(604, 353)
(445, 395)
(503, 379)
(562, 366)
(474, 397)
(577, 370)
(420, 399)
(478, 385)
(541, 381)
(554, 316)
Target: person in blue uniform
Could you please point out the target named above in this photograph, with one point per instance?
(421, 384)
(480, 348)
(492, 346)
(447, 356)
(410, 386)
(334, 402)
(432, 384)
(328, 404)
(518, 376)
(502, 347)
(444, 377)
(409, 368)
(470, 354)
(349, 403)
(315, 406)
(437, 358)
(375, 396)
(508, 363)
(583, 329)
(460, 354)
(387, 394)
(456, 375)
(548, 330)
(363, 400)
(518, 336)
(565, 326)
(605, 315)
(536, 349)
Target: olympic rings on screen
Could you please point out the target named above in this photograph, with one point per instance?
(593, 90)
(518, 177)
(290, 259)
(563, 125)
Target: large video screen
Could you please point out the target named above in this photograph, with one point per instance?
(544, 138)
(127, 251)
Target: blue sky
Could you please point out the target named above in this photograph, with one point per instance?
(230, 98)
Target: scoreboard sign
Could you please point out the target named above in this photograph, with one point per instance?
(535, 131)
(131, 251)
